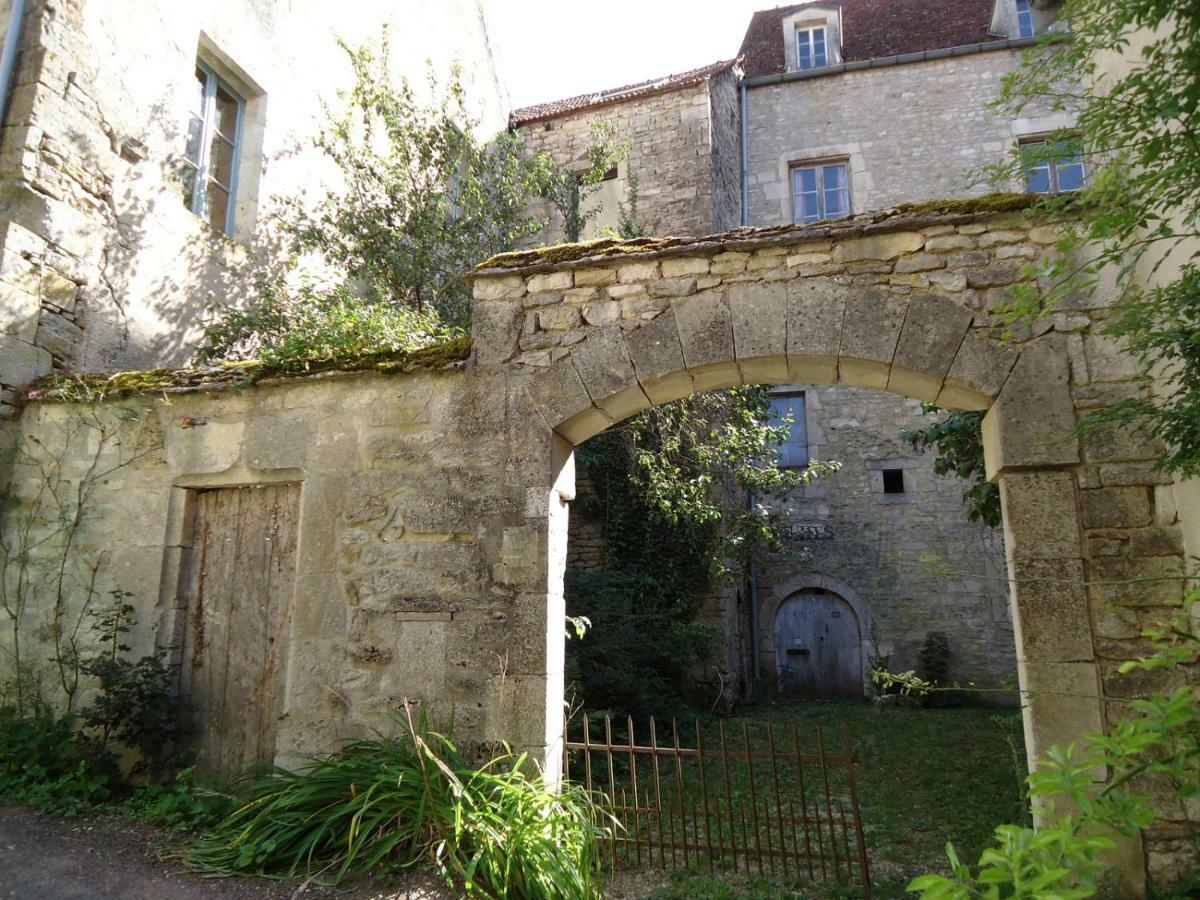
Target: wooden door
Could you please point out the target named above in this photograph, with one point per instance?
(237, 582)
(818, 647)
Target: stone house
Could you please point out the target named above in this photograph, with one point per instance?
(683, 134)
(140, 167)
(841, 107)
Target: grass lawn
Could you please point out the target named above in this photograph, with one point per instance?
(927, 776)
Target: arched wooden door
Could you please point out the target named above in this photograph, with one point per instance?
(818, 647)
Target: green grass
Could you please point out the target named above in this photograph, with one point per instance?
(927, 776)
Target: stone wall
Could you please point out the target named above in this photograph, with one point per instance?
(912, 562)
(909, 132)
(103, 267)
(684, 162)
(433, 505)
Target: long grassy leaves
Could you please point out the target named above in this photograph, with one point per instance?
(385, 804)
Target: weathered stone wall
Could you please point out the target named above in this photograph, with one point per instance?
(433, 505)
(910, 132)
(103, 266)
(674, 151)
(913, 561)
(726, 127)
(421, 551)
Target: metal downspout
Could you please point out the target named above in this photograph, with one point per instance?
(8, 57)
(745, 153)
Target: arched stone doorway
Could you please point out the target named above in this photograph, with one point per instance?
(817, 643)
(901, 302)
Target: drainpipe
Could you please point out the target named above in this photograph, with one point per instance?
(752, 578)
(745, 154)
(8, 56)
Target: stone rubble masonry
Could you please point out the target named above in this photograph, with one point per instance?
(685, 148)
(102, 266)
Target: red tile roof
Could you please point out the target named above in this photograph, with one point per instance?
(556, 108)
(874, 28)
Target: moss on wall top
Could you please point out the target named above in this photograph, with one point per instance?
(899, 218)
(94, 386)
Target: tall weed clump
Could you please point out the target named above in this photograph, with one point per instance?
(386, 804)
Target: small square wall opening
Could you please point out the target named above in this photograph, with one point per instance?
(893, 481)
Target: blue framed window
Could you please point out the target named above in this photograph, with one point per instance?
(810, 48)
(213, 141)
(793, 452)
(820, 191)
(1024, 19)
(1052, 173)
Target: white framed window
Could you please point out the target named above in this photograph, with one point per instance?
(789, 408)
(820, 191)
(1024, 19)
(1052, 172)
(811, 52)
(213, 142)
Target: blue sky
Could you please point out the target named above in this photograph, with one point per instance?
(549, 49)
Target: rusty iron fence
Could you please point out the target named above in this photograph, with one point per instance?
(780, 803)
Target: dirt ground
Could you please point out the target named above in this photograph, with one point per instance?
(103, 857)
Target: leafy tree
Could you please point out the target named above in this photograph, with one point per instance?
(958, 439)
(568, 189)
(1130, 71)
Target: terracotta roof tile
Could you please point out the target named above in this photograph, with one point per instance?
(556, 108)
(874, 28)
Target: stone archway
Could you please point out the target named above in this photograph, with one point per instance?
(902, 302)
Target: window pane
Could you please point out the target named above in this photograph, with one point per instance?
(794, 450)
(220, 160)
(217, 206)
(1037, 178)
(1024, 19)
(225, 114)
(1070, 174)
(818, 47)
(837, 191)
(198, 93)
(195, 130)
(808, 180)
(804, 50)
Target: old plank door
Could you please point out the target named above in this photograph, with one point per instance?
(237, 581)
(818, 647)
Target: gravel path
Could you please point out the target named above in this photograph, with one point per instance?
(103, 857)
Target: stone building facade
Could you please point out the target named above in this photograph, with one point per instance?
(103, 264)
(684, 148)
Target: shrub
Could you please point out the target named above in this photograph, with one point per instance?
(46, 764)
(385, 804)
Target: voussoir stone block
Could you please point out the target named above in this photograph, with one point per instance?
(759, 330)
(929, 340)
(705, 329)
(878, 246)
(559, 392)
(657, 358)
(870, 332)
(979, 370)
(607, 372)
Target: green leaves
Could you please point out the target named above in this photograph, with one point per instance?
(385, 804)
